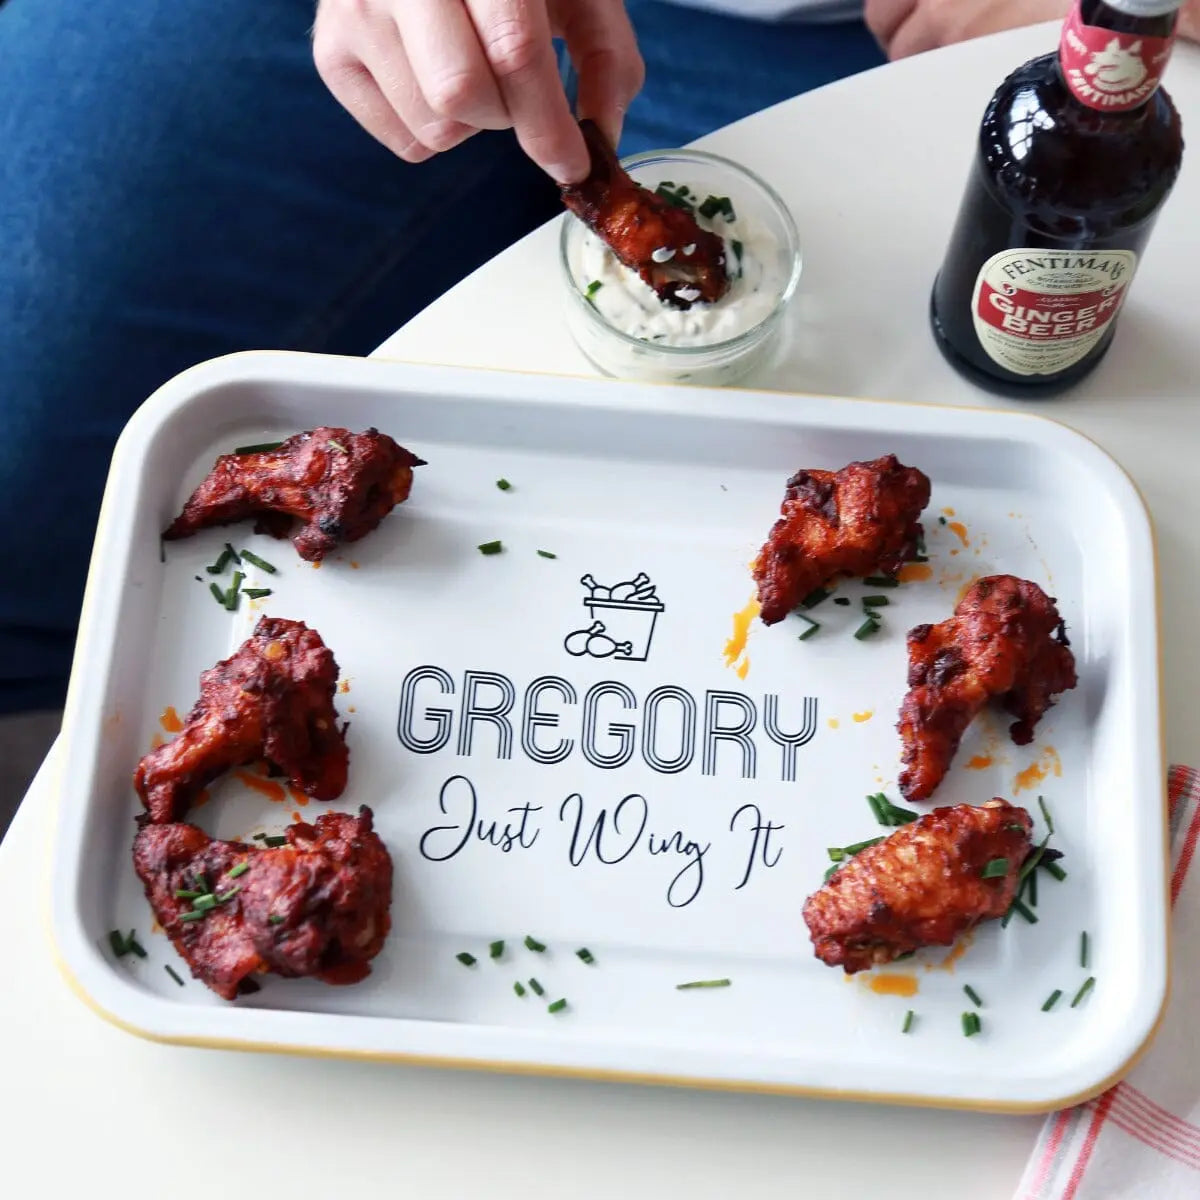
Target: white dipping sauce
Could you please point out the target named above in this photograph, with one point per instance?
(633, 307)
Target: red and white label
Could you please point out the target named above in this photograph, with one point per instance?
(1110, 71)
(1038, 312)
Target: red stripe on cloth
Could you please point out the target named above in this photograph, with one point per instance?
(1089, 1144)
(1058, 1130)
(1185, 855)
(1151, 1141)
(1178, 779)
(1174, 1128)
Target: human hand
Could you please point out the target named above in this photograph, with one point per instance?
(421, 76)
(905, 27)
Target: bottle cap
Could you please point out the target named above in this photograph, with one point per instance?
(1144, 8)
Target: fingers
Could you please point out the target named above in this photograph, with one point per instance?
(448, 63)
(884, 18)
(515, 37)
(357, 92)
(603, 47)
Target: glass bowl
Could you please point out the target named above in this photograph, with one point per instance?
(742, 326)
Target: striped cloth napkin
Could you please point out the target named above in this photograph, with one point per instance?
(1140, 1140)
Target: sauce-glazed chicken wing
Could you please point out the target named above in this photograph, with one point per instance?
(1005, 641)
(664, 244)
(861, 520)
(319, 905)
(922, 886)
(271, 699)
(339, 484)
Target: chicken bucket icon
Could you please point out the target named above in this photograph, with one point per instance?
(622, 620)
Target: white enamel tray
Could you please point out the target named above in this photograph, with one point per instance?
(679, 486)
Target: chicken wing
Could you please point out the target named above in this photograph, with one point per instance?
(339, 484)
(319, 905)
(861, 520)
(925, 885)
(272, 699)
(663, 243)
(1005, 641)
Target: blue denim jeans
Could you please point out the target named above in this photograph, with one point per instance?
(176, 183)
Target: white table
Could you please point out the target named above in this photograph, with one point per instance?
(872, 168)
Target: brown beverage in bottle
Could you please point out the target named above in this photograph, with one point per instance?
(1077, 152)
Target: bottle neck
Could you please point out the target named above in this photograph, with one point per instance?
(1112, 53)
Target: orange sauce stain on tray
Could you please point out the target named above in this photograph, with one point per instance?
(961, 947)
(860, 717)
(1039, 770)
(735, 647)
(834, 722)
(980, 762)
(344, 686)
(298, 797)
(266, 787)
(352, 709)
(170, 720)
(894, 983)
(948, 511)
(317, 565)
(297, 818)
(960, 529)
(914, 572)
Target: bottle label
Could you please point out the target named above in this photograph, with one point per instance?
(1110, 71)
(1038, 312)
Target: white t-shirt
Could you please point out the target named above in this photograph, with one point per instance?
(781, 10)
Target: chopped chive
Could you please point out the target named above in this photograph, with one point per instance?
(887, 581)
(193, 915)
(972, 995)
(902, 957)
(170, 970)
(204, 903)
(259, 837)
(1046, 814)
(556, 1006)
(1052, 1000)
(537, 988)
(233, 597)
(218, 594)
(831, 871)
(258, 448)
(225, 897)
(703, 983)
(134, 945)
(162, 551)
(504, 485)
(255, 593)
(867, 628)
(233, 554)
(491, 547)
(995, 868)
(875, 602)
(277, 839)
(1055, 870)
(496, 949)
(546, 554)
(941, 520)
(531, 943)
(836, 854)
(116, 939)
(1025, 911)
(585, 955)
(519, 988)
(856, 847)
(240, 869)
(275, 919)
(260, 563)
(873, 800)
(338, 445)
(592, 288)
(908, 1021)
(186, 894)
(971, 1024)
(815, 597)
(714, 205)
(1088, 984)
(467, 960)
(223, 560)
(810, 628)
(1083, 950)
(738, 249)
(842, 600)
(1015, 828)
(919, 558)
(1031, 888)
